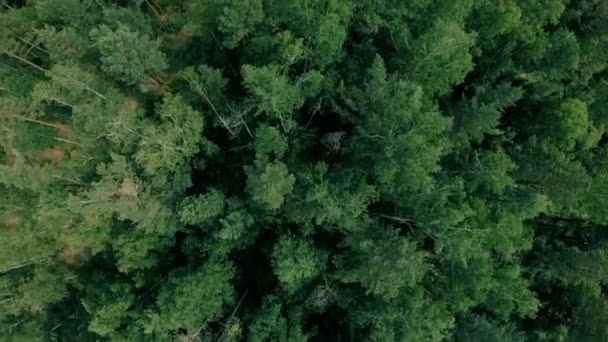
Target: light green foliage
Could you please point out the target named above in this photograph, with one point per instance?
(192, 301)
(589, 315)
(115, 16)
(109, 309)
(67, 11)
(295, 262)
(239, 19)
(542, 12)
(465, 282)
(273, 93)
(429, 320)
(126, 55)
(384, 265)
(323, 24)
(69, 82)
(492, 18)
(398, 133)
(170, 144)
(490, 171)
(34, 295)
(206, 82)
(563, 53)
(23, 175)
(441, 56)
(480, 114)
(282, 48)
(64, 45)
(571, 127)
(509, 235)
(117, 192)
(146, 221)
(331, 31)
(269, 183)
(269, 141)
(583, 267)
(271, 324)
(325, 202)
(597, 111)
(136, 250)
(123, 130)
(511, 294)
(200, 209)
(562, 179)
(595, 201)
(235, 225)
(479, 328)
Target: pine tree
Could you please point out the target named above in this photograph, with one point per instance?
(126, 55)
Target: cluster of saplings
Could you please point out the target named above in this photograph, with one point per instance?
(293, 170)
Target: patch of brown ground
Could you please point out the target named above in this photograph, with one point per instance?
(72, 256)
(9, 157)
(64, 130)
(128, 188)
(130, 105)
(52, 154)
(11, 221)
(183, 35)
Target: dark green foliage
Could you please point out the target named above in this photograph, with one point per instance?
(269, 183)
(239, 19)
(166, 145)
(271, 324)
(478, 328)
(201, 209)
(126, 55)
(293, 170)
(397, 133)
(383, 265)
(204, 294)
(296, 262)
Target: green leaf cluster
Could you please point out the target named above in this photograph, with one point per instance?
(295, 170)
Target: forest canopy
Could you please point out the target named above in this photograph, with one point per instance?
(294, 170)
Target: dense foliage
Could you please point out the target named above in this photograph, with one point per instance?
(291, 170)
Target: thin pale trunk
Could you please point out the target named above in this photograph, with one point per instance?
(45, 71)
(67, 141)
(36, 121)
(202, 93)
(26, 61)
(155, 11)
(32, 46)
(25, 264)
